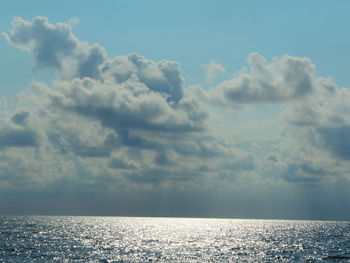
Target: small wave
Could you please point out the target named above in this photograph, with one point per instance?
(337, 258)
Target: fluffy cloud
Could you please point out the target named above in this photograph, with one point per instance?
(108, 122)
(111, 124)
(163, 76)
(322, 126)
(283, 79)
(131, 105)
(315, 142)
(315, 148)
(54, 46)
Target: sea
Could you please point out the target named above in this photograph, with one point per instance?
(137, 239)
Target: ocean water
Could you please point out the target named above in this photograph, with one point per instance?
(127, 239)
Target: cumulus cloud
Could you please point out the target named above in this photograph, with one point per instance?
(54, 46)
(321, 120)
(163, 76)
(283, 79)
(123, 120)
(314, 111)
(107, 124)
(131, 105)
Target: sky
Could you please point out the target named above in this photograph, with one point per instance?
(186, 108)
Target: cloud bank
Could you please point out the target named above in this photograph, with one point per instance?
(127, 123)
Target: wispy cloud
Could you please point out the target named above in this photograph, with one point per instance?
(213, 70)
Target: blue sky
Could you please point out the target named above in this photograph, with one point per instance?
(235, 108)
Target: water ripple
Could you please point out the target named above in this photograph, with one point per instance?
(123, 239)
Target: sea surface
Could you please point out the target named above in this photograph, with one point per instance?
(132, 239)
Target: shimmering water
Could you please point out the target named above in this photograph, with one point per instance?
(123, 239)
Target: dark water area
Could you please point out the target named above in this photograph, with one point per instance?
(126, 239)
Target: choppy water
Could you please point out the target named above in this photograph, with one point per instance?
(123, 239)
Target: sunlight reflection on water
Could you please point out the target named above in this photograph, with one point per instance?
(124, 239)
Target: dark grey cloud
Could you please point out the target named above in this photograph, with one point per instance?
(21, 117)
(272, 158)
(125, 138)
(336, 140)
(163, 158)
(246, 163)
(90, 62)
(18, 138)
(303, 173)
(130, 140)
(154, 176)
(92, 151)
(117, 163)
